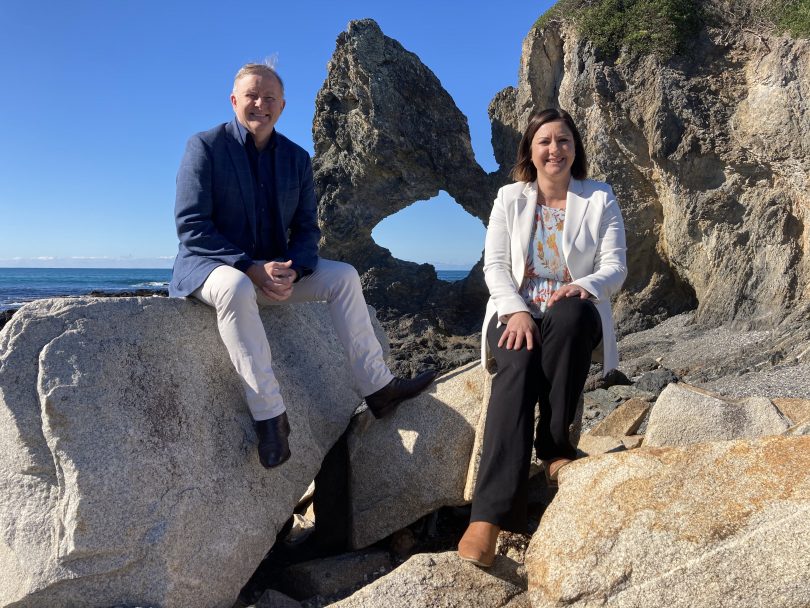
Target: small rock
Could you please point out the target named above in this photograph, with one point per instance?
(613, 378)
(301, 528)
(443, 580)
(623, 393)
(798, 410)
(624, 420)
(275, 599)
(643, 364)
(631, 442)
(597, 444)
(601, 398)
(597, 405)
(685, 414)
(334, 575)
(655, 381)
(402, 541)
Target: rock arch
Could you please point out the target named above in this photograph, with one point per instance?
(387, 134)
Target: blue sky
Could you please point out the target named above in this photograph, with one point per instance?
(102, 95)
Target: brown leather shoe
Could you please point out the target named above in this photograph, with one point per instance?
(552, 468)
(384, 401)
(478, 543)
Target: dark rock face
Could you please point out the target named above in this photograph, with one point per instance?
(386, 135)
(708, 155)
(5, 316)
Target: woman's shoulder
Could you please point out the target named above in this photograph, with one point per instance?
(595, 191)
(590, 187)
(513, 191)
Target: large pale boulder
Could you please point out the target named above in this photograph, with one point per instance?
(442, 580)
(412, 463)
(685, 414)
(723, 524)
(128, 469)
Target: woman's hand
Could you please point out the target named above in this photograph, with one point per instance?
(519, 328)
(568, 291)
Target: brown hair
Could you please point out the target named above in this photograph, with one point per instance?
(257, 69)
(524, 169)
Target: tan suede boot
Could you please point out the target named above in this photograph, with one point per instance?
(478, 543)
(552, 468)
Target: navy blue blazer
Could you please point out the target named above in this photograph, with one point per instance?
(215, 211)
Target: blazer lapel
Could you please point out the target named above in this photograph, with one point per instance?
(525, 208)
(575, 209)
(236, 149)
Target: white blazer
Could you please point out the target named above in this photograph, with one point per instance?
(593, 247)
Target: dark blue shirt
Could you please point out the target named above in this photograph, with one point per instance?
(271, 242)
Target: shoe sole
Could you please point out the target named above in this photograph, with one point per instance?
(477, 562)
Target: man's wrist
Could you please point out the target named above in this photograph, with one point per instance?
(243, 265)
(301, 272)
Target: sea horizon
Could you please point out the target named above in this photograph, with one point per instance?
(20, 285)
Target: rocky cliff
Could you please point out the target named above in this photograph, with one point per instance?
(707, 150)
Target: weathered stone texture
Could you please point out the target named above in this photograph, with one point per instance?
(128, 468)
(624, 420)
(387, 135)
(797, 410)
(685, 414)
(334, 575)
(415, 461)
(717, 524)
(441, 580)
(709, 160)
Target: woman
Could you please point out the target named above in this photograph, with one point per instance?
(555, 253)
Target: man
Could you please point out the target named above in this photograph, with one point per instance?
(246, 220)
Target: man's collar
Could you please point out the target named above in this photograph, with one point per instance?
(244, 134)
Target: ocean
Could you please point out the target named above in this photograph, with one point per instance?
(21, 285)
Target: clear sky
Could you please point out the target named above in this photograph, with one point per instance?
(101, 96)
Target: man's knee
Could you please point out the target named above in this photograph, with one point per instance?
(343, 274)
(232, 289)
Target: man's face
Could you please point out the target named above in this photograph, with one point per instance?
(257, 101)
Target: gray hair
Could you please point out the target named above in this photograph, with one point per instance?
(267, 68)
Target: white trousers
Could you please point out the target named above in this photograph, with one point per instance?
(236, 300)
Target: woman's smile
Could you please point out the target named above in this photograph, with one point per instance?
(553, 150)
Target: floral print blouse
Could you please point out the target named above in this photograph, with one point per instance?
(545, 268)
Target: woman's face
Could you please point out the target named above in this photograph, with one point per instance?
(553, 151)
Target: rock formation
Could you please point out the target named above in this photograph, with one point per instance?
(713, 524)
(709, 154)
(684, 414)
(707, 151)
(387, 135)
(129, 472)
(409, 465)
(443, 580)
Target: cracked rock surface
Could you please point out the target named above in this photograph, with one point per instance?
(713, 524)
(128, 465)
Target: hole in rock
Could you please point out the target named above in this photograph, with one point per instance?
(438, 232)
